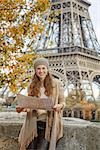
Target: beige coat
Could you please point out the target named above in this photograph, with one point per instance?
(53, 122)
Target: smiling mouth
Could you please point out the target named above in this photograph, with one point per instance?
(41, 74)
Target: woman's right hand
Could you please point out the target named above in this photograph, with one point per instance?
(19, 109)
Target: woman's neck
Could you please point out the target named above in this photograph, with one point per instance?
(42, 83)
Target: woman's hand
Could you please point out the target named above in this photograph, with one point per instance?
(26, 110)
(58, 107)
(19, 109)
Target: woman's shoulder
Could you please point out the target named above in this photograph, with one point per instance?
(55, 81)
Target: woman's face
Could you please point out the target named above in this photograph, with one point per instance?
(41, 71)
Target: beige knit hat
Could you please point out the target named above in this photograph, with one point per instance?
(41, 61)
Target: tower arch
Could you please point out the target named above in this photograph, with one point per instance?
(59, 76)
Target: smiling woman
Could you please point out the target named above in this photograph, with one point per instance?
(41, 66)
(43, 128)
(41, 71)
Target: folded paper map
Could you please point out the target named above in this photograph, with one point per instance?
(34, 102)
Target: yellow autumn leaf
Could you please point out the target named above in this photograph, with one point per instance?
(36, 28)
(16, 27)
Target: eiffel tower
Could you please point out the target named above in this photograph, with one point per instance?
(72, 47)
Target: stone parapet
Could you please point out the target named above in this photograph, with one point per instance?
(78, 134)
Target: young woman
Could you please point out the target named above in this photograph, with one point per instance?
(42, 129)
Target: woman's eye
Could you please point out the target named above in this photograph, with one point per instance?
(43, 68)
(38, 68)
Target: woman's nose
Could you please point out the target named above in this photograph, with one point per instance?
(41, 70)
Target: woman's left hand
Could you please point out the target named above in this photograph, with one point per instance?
(58, 107)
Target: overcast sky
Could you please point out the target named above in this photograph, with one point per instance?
(95, 16)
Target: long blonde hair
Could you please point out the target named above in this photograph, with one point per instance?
(34, 88)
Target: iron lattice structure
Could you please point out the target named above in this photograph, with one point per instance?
(71, 46)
